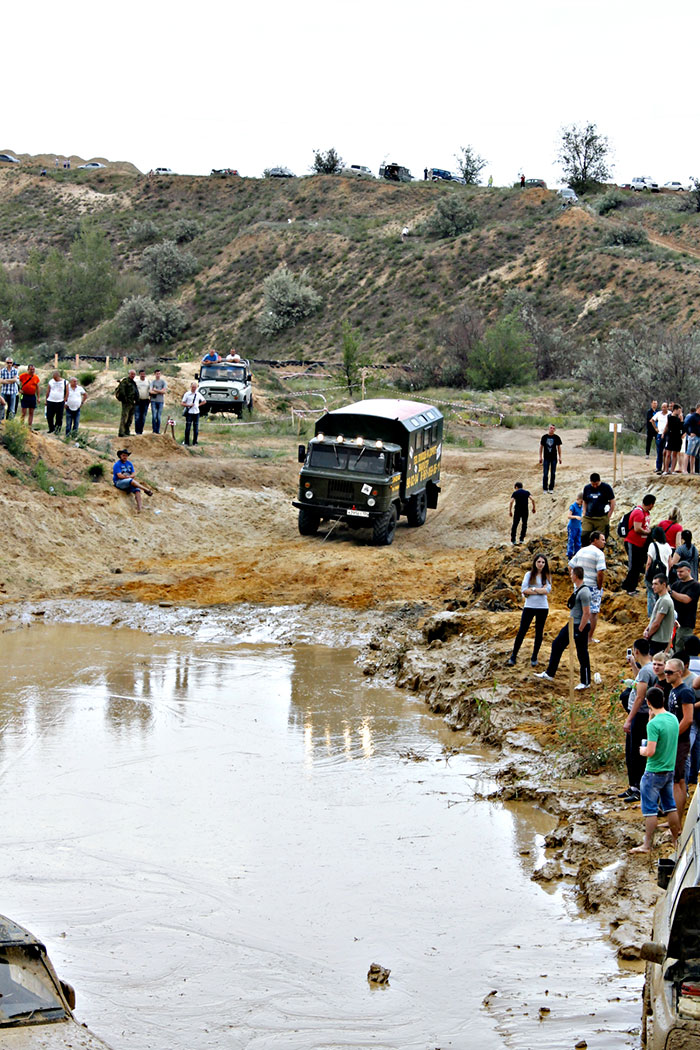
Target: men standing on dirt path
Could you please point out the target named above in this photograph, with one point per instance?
(659, 421)
(598, 505)
(520, 500)
(592, 561)
(656, 786)
(128, 394)
(580, 605)
(550, 452)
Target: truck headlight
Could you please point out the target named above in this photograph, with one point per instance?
(309, 494)
(371, 501)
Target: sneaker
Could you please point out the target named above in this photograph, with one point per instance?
(582, 685)
(596, 641)
(510, 662)
(545, 676)
(631, 593)
(632, 794)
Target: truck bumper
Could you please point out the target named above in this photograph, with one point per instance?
(339, 513)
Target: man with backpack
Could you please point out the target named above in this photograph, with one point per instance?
(128, 394)
(635, 528)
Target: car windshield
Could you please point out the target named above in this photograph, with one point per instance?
(224, 373)
(27, 993)
(348, 457)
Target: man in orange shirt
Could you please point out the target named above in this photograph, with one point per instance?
(29, 382)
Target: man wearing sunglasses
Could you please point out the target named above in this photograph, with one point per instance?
(681, 703)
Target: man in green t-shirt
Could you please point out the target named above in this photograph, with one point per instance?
(657, 782)
(663, 616)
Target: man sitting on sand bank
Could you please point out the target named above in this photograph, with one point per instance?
(124, 478)
(657, 782)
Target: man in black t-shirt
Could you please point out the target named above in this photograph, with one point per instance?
(685, 593)
(520, 500)
(651, 432)
(550, 451)
(597, 496)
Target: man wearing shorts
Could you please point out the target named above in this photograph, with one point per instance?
(29, 383)
(598, 505)
(656, 786)
(681, 704)
(592, 561)
(692, 441)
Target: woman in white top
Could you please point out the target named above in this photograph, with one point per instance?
(657, 551)
(537, 584)
(192, 399)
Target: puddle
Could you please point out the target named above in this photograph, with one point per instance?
(216, 840)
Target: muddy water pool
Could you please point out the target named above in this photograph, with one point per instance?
(217, 838)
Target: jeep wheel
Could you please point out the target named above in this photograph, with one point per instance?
(384, 528)
(250, 405)
(417, 510)
(309, 521)
(204, 410)
(238, 411)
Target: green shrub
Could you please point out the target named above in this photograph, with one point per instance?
(627, 440)
(185, 230)
(166, 266)
(451, 217)
(145, 232)
(13, 435)
(610, 201)
(142, 318)
(95, 471)
(626, 237)
(86, 378)
(288, 300)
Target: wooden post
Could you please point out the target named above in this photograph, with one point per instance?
(55, 360)
(107, 363)
(622, 467)
(614, 453)
(572, 650)
(363, 374)
(124, 360)
(77, 362)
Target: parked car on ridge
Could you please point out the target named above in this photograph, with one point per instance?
(360, 171)
(279, 173)
(163, 171)
(535, 184)
(7, 158)
(91, 165)
(676, 187)
(644, 182)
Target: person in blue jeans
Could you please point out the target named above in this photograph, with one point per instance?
(656, 786)
(157, 393)
(550, 453)
(573, 528)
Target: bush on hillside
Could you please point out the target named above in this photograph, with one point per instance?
(451, 217)
(45, 352)
(610, 201)
(551, 347)
(86, 378)
(502, 358)
(626, 237)
(150, 322)
(13, 435)
(145, 232)
(328, 163)
(287, 301)
(185, 230)
(167, 266)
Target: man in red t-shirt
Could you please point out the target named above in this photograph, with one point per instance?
(636, 540)
(29, 382)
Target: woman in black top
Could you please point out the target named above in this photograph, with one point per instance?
(674, 439)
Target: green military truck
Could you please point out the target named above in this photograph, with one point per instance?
(369, 463)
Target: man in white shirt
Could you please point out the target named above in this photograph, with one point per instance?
(659, 422)
(75, 399)
(592, 560)
(141, 407)
(192, 399)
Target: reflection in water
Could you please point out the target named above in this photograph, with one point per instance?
(183, 811)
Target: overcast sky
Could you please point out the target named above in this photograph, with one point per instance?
(249, 86)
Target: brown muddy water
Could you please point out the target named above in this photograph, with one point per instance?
(217, 838)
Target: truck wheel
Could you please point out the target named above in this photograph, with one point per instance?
(646, 1013)
(309, 521)
(417, 510)
(250, 405)
(384, 528)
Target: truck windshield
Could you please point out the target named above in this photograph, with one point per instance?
(27, 994)
(223, 373)
(361, 460)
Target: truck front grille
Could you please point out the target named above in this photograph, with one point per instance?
(341, 490)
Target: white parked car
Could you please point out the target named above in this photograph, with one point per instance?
(567, 195)
(677, 187)
(645, 182)
(360, 170)
(163, 171)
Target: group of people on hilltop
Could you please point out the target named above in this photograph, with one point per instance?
(138, 393)
(63, 396)
(676, 436)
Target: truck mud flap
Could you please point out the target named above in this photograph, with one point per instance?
(432, 491)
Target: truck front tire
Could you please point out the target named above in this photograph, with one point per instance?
(309, 521)
(384, 528)
(417, 510)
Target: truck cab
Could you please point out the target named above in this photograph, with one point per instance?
(226, 387)
(368, 464)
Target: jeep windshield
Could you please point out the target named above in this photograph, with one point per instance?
(223, 373)
(27, 993)
(359, 459)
